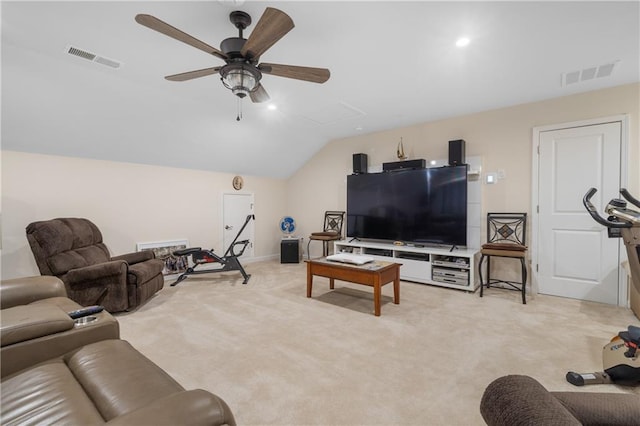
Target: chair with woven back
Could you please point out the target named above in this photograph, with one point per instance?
(332, 231)
(506, 238)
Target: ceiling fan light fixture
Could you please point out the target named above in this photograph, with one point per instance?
(240, 78)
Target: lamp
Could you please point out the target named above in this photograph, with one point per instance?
(240, 78)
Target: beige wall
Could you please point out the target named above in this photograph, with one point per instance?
(130, 203)
(502, 138)
(137, 203)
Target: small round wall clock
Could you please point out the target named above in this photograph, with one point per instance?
(238, 183)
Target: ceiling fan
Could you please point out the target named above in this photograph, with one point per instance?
(242, 72)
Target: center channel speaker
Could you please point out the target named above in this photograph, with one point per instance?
(456, 152)
(359, 163)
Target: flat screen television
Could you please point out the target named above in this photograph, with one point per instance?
(419, 206)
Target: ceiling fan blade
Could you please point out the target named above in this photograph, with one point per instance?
(168, 30)
(259, 95)
(315, 75)
(192, 74)
(271, 27)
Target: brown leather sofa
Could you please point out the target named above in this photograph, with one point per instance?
(521, 400)
(72, 250)
(35, 325)
(56, 371)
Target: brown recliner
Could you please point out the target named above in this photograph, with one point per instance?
(72, 250)
(517, 400)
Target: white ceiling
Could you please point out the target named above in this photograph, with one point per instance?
(392, 64)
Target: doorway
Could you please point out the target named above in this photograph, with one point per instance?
(235, 208)
(572, 255)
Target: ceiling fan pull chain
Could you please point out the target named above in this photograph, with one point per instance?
(239, 117)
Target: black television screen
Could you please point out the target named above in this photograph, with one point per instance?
(421, 206)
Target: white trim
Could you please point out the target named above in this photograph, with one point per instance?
(623, 119)
(158, 244)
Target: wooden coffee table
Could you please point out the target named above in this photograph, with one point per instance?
(374, 274)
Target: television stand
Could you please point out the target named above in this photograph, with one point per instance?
(426, 265)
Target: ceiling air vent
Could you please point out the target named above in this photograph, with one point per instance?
(590, 73)
(93, 57)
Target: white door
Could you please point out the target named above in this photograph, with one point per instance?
(576, 259)
(236, 208)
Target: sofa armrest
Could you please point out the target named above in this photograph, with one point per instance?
(22, 291)
(96, 273)
(520, 400)
(104, 284)
(21, 323)
(135, 257)
(600, 408)
(194, 407)
(28, 352)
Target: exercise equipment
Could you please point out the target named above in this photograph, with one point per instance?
(229, 261)
(620, 357)
(621, 361)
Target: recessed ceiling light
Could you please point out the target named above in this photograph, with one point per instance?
(359, 128)
(272, 107)
(462, 42)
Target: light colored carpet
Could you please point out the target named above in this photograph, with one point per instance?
(279, 358)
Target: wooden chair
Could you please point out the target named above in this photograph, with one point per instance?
(506, 233)
(332, 231)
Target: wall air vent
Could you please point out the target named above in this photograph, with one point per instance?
(81, 53)
(590, 73)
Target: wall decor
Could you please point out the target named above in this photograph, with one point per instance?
(400, 151)
(238, 183)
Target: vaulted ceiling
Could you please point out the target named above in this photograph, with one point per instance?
(392, 64)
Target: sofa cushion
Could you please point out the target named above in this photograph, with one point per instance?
(62, 234)
(142, 272)
(599, 408)
(21, 323)
(78, 258)
(118, 378)
(22, 291)
(199, 406)
(46, 394)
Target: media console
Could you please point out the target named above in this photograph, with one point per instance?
(428, 265)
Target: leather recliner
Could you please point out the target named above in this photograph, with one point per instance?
(35, 325)
(72, 250)
(56, 371)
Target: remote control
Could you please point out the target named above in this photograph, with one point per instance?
(83, 312)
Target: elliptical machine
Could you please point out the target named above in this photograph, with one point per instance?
(621, 366)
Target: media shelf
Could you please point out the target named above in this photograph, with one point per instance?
(426, 265)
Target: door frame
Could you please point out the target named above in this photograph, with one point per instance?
(623, 181)
(250, 225)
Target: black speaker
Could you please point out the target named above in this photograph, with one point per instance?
(456, 152)
(419, 163)
(359, 163)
